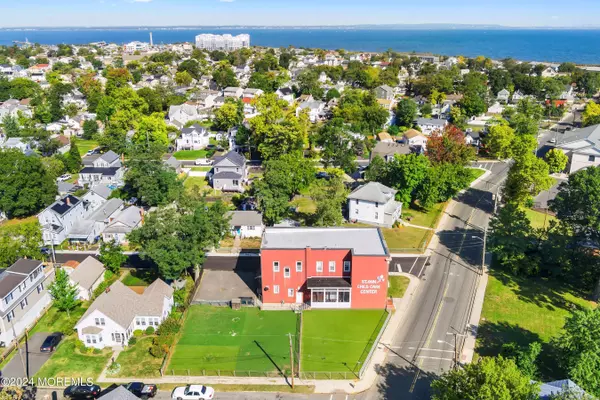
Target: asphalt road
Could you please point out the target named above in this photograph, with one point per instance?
(423, 348)
(32, 359)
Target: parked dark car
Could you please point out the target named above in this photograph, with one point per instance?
(80, 392)
(50, 343)
(142, 390)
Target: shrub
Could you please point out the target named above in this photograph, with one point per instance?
(81, 346)
(158, 349)
(170, 326)
(132, 340)
(150, 330)
(138, 333)
(113, 368)
(97, 351)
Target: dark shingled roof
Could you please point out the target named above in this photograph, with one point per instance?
(61, 206)
(234, 157)
(104, 171)
(24, 266)
(319, 282)
(227, 175)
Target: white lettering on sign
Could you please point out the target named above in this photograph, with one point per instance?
(370, 286)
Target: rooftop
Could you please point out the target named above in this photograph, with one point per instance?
(245, 218)
(373, 191)
(361, 241)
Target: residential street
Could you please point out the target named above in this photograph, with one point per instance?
(424, 346)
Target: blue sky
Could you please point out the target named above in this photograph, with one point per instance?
(573, 13)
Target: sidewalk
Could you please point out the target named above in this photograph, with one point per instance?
(321, 386)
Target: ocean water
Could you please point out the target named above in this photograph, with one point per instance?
(556, 45)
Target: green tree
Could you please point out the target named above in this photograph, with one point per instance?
(152, 129)
(525, 358)
(183, 78)
(329, 196)
(488, 379)
(405, 173)
(11, 126)
(117, 78)
(20, 241)
(500, 140)
(90, 129)
(25, 185)
(149, 179)
(510, 233)
(527, 177)
(64, 293)
(176, 238)
(191, 67)
(337, 146)
(308, 83)
(332, 93)
(442, 182)
(224, 76)
(54, 166)
(229, 115)
(72, 159)
(406, 112)
(473, 104)
(591, 114)
(556, 160)
(153, 98)
(578, 348)
(111, 255)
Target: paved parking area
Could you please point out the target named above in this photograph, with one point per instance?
(222, 263)
(31, 355)
(411, 265)
(222, 286)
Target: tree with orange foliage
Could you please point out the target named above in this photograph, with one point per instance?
(449, 146)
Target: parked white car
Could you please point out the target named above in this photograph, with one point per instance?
(193, 392)
(204, 161)
(63, 177)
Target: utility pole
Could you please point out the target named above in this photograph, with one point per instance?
(291, 358)
(53, 253)
(19, 347)
(483, 253)
(455, 351)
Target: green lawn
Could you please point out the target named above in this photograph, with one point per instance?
(304, 204)
(539, 219)
(137, 361)
(476, 172)
(195, 181)
(201, 169)
(190, 154)
(422, 217)
(68, 361)
(84, 145)
(398, 285)
(525, 310)
(216, 338)
(58, 321)
(406, 239)
(139, 277)
(18, 221)
(338, 340)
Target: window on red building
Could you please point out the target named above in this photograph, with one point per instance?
(331, 266)
(276, 289)
(346, 266)
(275, 266)
(319, 266)
(286, 272)
(290, 292)
(298, 266)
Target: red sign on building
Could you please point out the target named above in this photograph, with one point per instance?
(324, 267)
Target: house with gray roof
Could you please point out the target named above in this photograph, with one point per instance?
(384, 92)
(387, 150)
(88, 230)
(24, 297)
(122, 224)
(87, 276)
(193, 138)
(582, 146)
(230, 172)
(113, 317)
(119, 393)
(549, 390)
(59, 218)
(103, 169)
(374, 204)
(430, 125)
(245, 223)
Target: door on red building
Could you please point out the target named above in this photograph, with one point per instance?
(299, 297)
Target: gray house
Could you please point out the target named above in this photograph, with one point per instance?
(384, 92)
(230, 172)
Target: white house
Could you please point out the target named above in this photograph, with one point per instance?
(415, 139)
(17, 143)
(517, 96)
(245, 223)
(582, 146)
(430, 125)
(122, 224)
(567, 94)
(251, 93)
(286, 94)
(102, 169)
(59, 218)
(88, 230)
(24, 296)
(193, 138)
(97, 195)
(503, 95)
(115, 314)
(232, 91)
(374, 203)
(87, 276)
(230, 172)
(315, 109)
(132, 47)
(182, 114)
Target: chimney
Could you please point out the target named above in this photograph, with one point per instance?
(68, 200)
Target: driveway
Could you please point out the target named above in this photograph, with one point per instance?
(31, 356)
(411, 265)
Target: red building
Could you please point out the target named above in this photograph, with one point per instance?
(324, 267)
